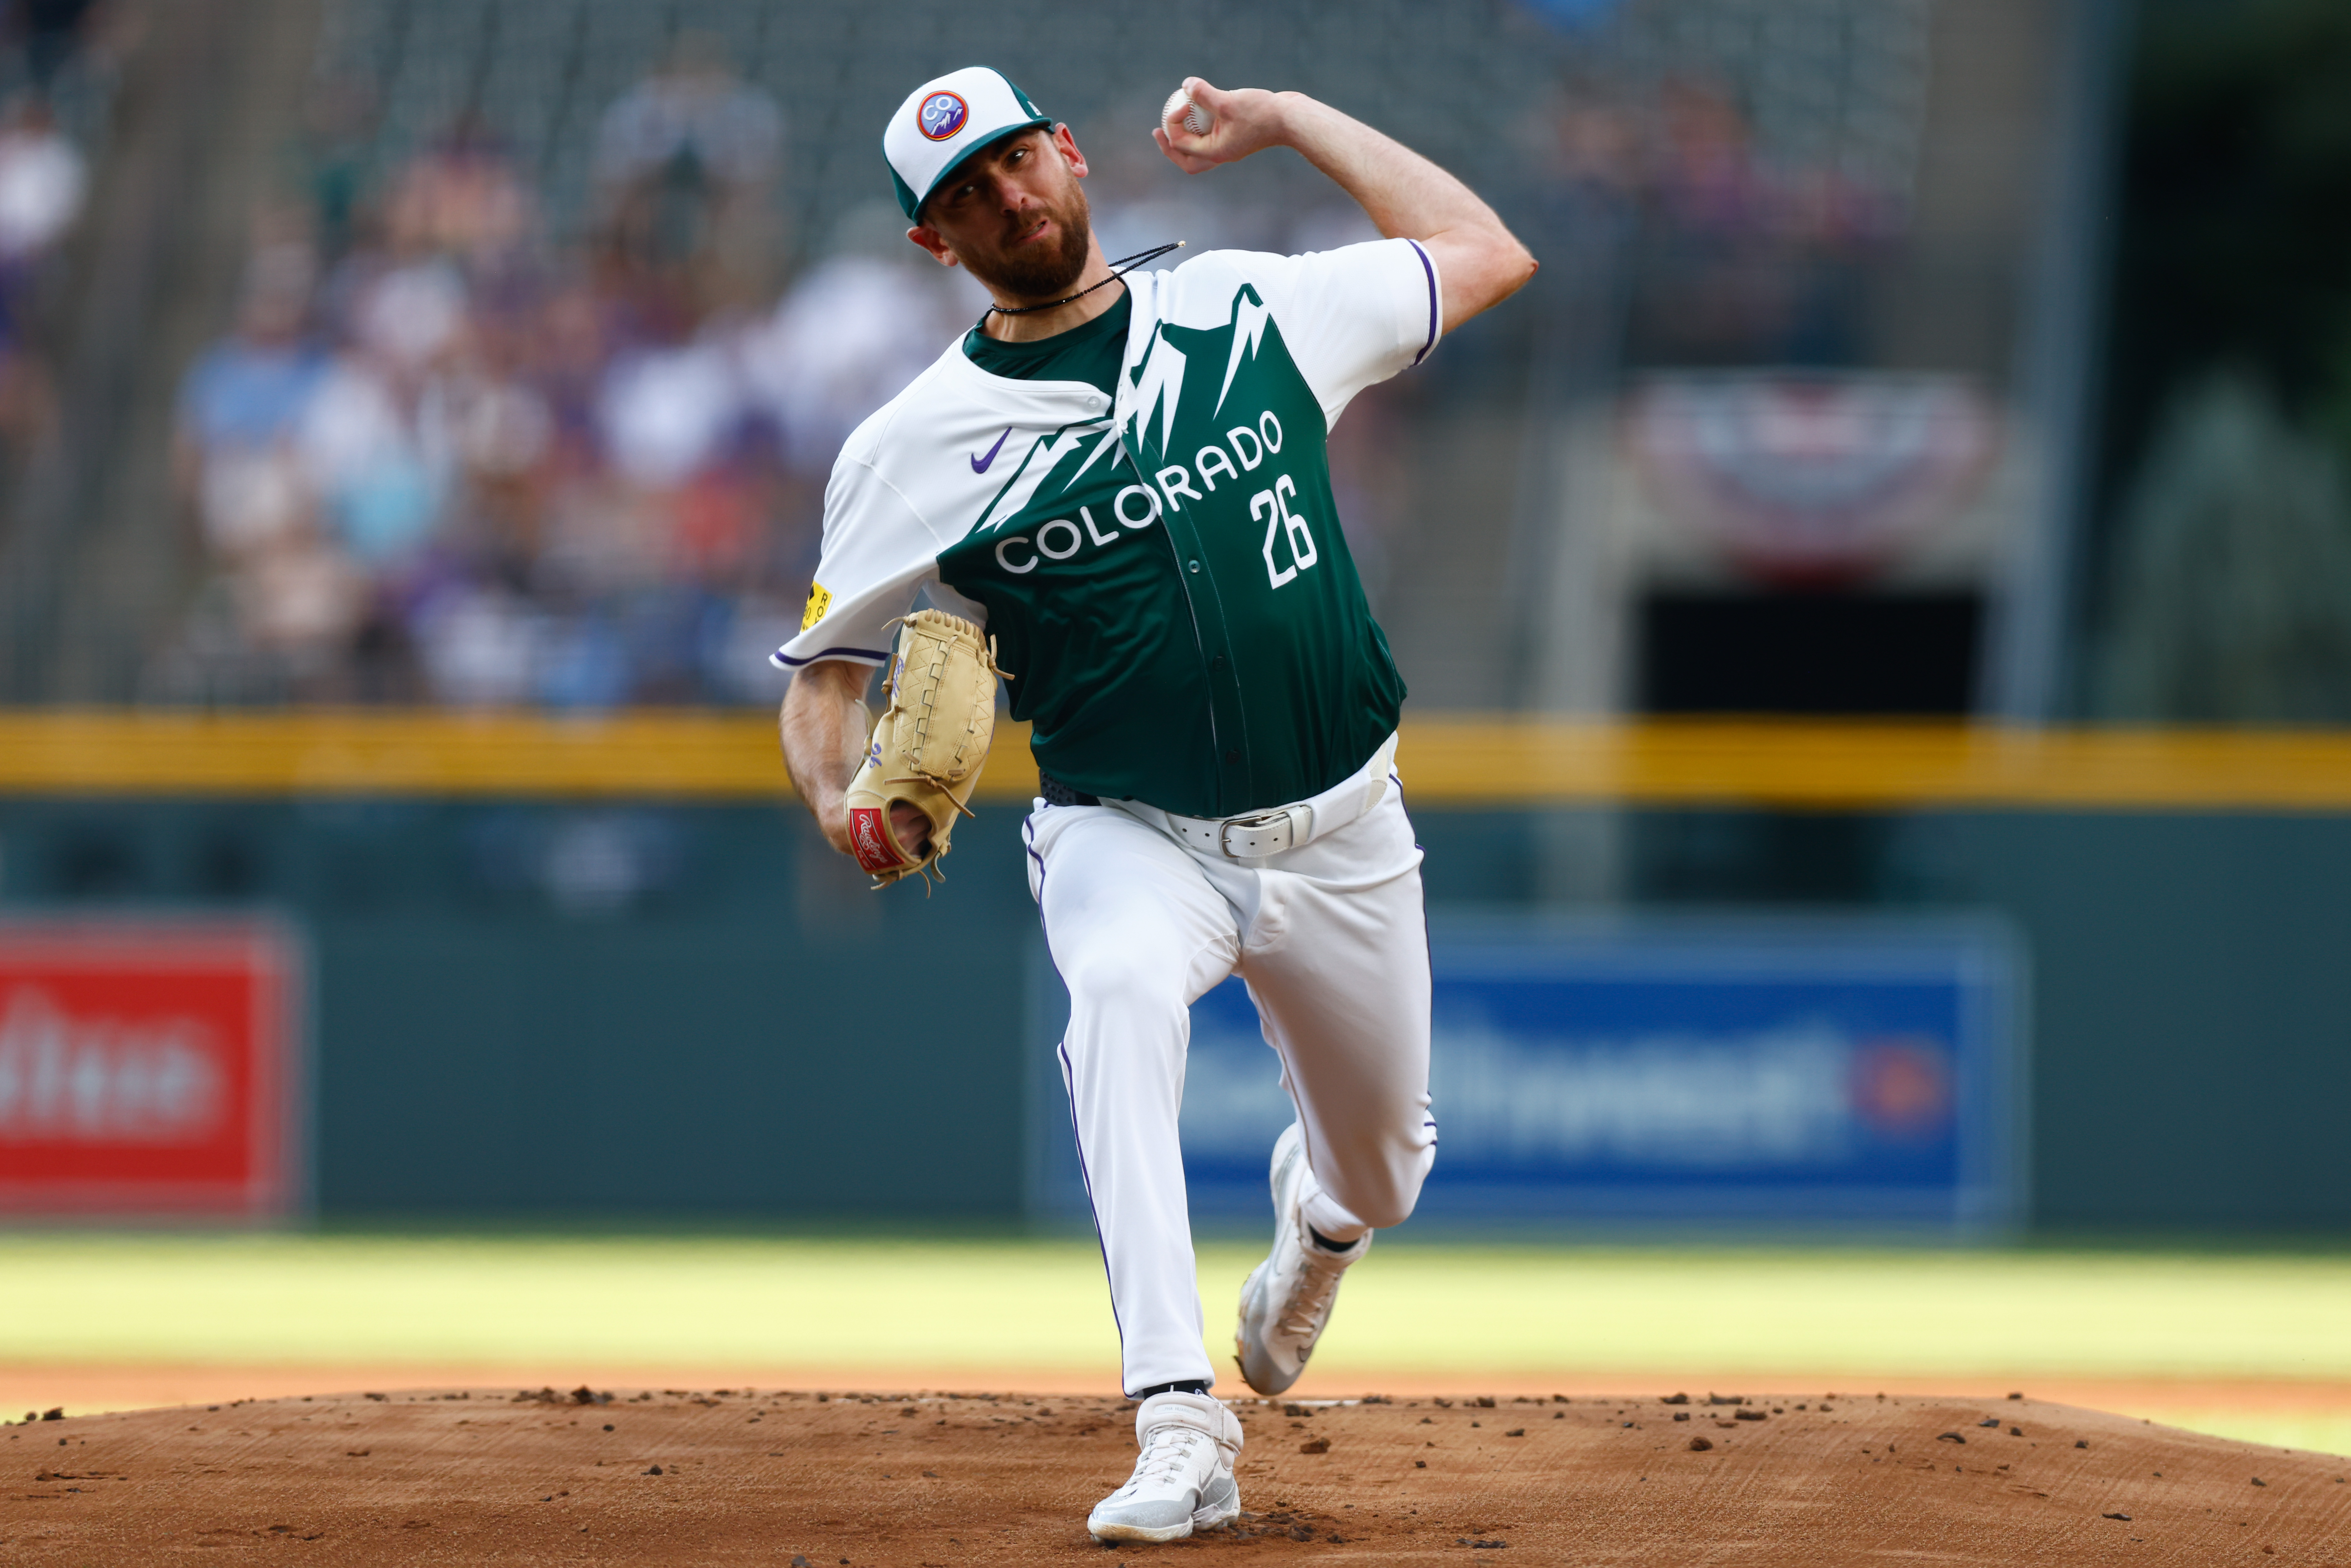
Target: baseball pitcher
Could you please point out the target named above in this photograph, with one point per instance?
(1115, 495)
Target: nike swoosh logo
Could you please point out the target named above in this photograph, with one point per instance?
(980, 464)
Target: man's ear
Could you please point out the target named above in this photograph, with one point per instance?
(930, 240)
(1067, 146)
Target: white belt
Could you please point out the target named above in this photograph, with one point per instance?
(1262, 833)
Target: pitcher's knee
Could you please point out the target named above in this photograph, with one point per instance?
(1376, 1203)
(1391, 1208)
(1120, 982)
(1382, 1189)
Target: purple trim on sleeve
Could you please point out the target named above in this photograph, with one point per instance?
(1429, 267)
(874, 655)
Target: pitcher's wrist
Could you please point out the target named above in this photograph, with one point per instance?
(1289, 109)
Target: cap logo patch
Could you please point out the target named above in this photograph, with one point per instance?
(942, 115)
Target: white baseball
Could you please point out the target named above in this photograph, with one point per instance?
(1182, 114)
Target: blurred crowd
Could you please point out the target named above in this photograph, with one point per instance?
(458, 448)
(1738, 255)
(443, 456)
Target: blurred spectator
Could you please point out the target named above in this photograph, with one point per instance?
(863, 322)
(42, 180)
(377, 459)
(411, 317)
(693, 107)
(333, 155)
(1745, 261)
(481, 646)
(667, 412)
(2232, 600)
(460, 198)
(295, 596)
(687, 160)
(242, 402)
(302, 599)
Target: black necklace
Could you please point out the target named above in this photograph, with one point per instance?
(1119, 269)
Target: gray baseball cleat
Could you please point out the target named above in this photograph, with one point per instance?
(1286, 1301)
(1183, 1480)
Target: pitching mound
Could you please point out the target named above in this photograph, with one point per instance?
(738, 1475)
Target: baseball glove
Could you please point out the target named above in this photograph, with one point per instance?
(929, 746)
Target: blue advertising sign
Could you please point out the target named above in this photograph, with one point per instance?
(1792, 1069)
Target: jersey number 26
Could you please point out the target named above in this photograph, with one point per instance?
(1274, 506)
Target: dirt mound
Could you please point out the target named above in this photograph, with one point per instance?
(668, 1475)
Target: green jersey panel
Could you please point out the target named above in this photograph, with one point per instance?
(1174, 597)
(1235, 443)
(1081, 597)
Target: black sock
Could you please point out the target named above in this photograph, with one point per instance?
(1190, 1385)
(1325, 1243)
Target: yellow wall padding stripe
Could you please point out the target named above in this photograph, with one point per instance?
(695, 755)
(1447, 761)
(368, 752)
(1874, 765)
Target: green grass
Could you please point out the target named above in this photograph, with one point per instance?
(1799, 1316)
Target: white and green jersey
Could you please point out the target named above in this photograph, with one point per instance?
(1162, 569)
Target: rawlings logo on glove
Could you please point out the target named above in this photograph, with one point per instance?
(928, 744)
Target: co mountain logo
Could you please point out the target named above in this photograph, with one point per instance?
(942, 115)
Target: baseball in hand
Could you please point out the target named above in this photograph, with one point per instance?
(1183, 114)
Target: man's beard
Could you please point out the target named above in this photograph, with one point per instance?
(1048, 274)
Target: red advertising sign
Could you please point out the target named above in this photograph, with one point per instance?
(147, 1068)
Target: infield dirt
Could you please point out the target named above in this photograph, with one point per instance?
(869, 1480)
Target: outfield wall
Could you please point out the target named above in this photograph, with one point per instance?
(609, 1004)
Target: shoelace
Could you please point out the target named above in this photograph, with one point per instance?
(1309, 1296)
(1165, 1455)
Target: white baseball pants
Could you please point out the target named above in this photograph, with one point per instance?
(1330, 940)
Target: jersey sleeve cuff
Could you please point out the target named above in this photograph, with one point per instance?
(1436, 296)
(784, 660)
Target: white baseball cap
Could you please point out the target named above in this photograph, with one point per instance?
(945, 121)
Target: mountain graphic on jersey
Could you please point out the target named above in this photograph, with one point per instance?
(1186, 562)
(1160, 378)
(1054, 463)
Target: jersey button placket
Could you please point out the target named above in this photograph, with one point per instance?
(1225, 702)
(1223, 682)
(1208, 627)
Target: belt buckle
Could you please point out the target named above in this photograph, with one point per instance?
(1288, 814)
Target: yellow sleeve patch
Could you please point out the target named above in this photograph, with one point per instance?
(819, 600)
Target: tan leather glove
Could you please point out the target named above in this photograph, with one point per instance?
(929, 746)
